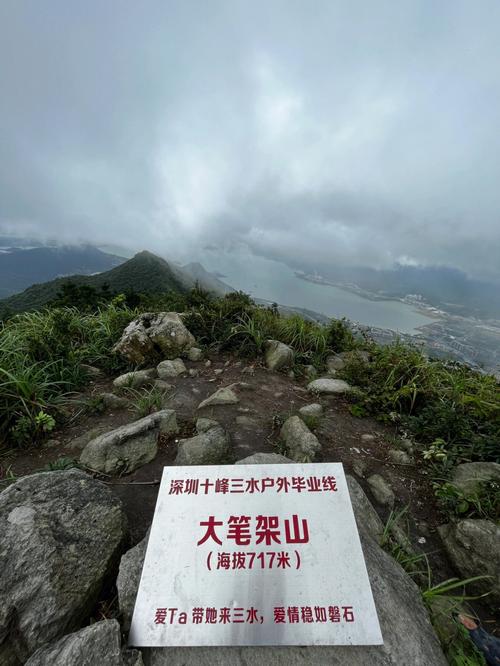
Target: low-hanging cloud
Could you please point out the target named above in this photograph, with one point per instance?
(358, 133)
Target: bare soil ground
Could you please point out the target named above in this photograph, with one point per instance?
(266, 400)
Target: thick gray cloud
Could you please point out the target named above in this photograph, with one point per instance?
(354, 132)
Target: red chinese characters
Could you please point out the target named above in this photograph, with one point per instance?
(266, 530)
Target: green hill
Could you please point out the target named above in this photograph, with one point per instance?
(144, 273)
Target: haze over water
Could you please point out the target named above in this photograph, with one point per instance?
(274, 281)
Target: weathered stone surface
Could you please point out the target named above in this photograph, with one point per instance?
(314, 409)
(367, 437)
(367, 518)
(60, 535)
(223, 396)
(301, 443)
(381, 490)
(278, 355)
(328, 386)
(468, 476)
(97, 644)
(135, 379)
(202, 425)
(264, 459)
(132, 658)
(128, 580)
(153, 335)
(473, 546)
(162, 385)
(113, 401)
(194, 354)
(208, 448)
(399, 457)
(173, 368)
(408, 635)
(334, 363)
(247, 422)
(128, 447)
(82, 440)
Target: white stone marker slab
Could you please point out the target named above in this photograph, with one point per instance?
(254, 555)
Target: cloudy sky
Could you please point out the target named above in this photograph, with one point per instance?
(357, 132)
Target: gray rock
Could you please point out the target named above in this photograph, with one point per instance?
(202, 425)
(248, 370)
(60, 536)
(310, 372)
(112, 401)
(130, 446)
(367, 518)
(223, 396)
(264, 459)
(399, 457)
(468, 477)
(367, 438)
(314, 409)
(208, 448)
(218, 371)
(208, 363)
(194, 354)
(193, 372)
(278, 355)
(154, 334)
(359, 468)
(473, 546)
(247, 422)
(334, 364)
(301, 443)
(381, 490)
(162, 385)
(132, 658)
(127, 582)
(97, 644)
(408, 634)
(406, 444)
(173, 368)
(135, 379)
(328, 386)
(82, 440)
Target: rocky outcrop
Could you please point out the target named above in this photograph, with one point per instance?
(468, 477)
(328, 386)
(128, 580)
(224, 396)
(154, 335)
(130, 446)
(473, 546)
(60, 536)
(278, 355)
(408, 635)
(302, 445)
(210, 447)
(168, 369)
(97, 644)
(135, 379)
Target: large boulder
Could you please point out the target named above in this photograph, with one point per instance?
(154, 335)
(328, 386)
(278, 355)
(130, 446)
(313, 410)
(128, 580)
(473, 546)
(381, 490)
(301, 443)
(97, 644)
(61, 534)
(223, 396)
(209, 447)
(408, 634)
(468, 477)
